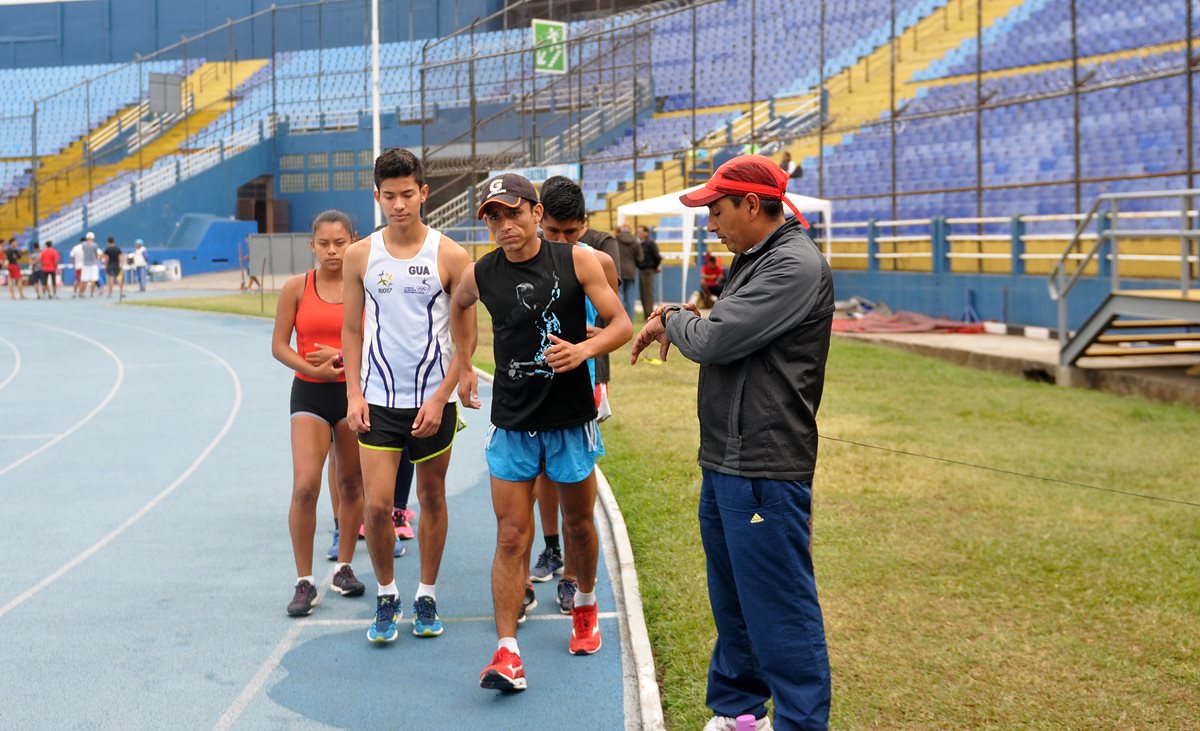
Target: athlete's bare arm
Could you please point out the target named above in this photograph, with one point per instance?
(610, 269)
(563, 356)
(281, 338)
(354, 265)
(452, 259)
(464, 331)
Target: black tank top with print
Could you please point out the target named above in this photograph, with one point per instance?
(528, 302)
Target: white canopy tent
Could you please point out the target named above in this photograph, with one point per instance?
(670, 205)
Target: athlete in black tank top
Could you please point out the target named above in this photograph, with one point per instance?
(533, 300)
(542, 410)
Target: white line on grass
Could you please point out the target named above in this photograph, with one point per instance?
(16, 365)
(112, 393)
(112, 535)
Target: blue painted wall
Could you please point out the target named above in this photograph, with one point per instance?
(213, 191)
(115, 31)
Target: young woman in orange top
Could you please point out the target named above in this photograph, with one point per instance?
(310, 305)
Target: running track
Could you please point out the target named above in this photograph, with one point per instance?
(145, 475)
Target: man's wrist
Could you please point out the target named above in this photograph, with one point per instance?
(666, 312)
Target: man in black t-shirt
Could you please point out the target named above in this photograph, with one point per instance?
(543, 412)
(113, 266)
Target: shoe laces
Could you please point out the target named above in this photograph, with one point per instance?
(345, 573)
(544, 557)
(385, 610)
(301, 591)
(426, 609)
(399, 519)
(584, 618)
(567, 589)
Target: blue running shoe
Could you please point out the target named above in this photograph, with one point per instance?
(398, 550)
(426, 622)
(387, 616)
(331, 554)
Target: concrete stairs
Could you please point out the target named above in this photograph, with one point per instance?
(64, 176)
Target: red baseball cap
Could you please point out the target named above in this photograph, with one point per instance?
(744, 174)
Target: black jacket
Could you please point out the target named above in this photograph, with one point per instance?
(762, 354)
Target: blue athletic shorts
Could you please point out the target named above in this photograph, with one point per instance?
(566, 455)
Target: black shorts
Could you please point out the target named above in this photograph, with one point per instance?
(391, 431)
(326, 401)
(112, 272)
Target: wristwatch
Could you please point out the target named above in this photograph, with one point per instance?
(662, 314)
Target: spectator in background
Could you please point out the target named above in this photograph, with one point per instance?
(711, 276)
(650, 265)
(77, 265)
(140, 264)
(12, 257)
(113, 267)
(627, 267)
(50, 271)
(91, 265)
(35, 268)
(790, 166)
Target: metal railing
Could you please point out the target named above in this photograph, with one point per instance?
(78, 219)
(1105, 247)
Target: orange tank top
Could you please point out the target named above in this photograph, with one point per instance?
(317, 321)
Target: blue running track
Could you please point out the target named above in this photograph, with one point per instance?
(145, 475)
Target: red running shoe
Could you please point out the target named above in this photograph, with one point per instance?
(505, 673)
(585, 631)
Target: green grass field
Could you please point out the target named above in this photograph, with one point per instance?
(954, 597)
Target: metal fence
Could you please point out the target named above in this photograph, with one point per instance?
(896, 71)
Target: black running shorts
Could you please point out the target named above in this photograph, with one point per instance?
(391, 431)
(326, 401)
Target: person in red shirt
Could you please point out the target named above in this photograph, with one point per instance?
(310, 305)
(50, 271)
(711, 275)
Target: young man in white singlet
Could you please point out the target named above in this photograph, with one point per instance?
(401, 378)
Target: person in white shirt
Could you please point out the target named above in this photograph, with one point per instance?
(140, 264)
(77, 264)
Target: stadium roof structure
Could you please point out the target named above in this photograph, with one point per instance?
(670, 205)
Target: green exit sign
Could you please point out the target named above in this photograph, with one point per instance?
(549, 47)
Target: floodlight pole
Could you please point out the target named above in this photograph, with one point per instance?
(375, 141)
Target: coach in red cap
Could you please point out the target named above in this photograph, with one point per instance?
(762, 356)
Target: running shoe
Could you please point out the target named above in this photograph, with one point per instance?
(505, 673)
(527, 604)
(549, 565)
(725, 723)
(566, 594)
(331, 554)
(397, 549)
(426, 622)
(346, 583)
(362, 532)
(402, 524)
(585, 631)
(387, 616)
(304, 600)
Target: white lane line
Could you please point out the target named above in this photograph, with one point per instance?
(112, 393)
(293, 634)
(16, 364)
(261, 677)
(450, 620)
(259, 680)
(112, 535)
(27, 436)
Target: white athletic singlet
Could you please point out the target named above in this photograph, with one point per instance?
(406, 328)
